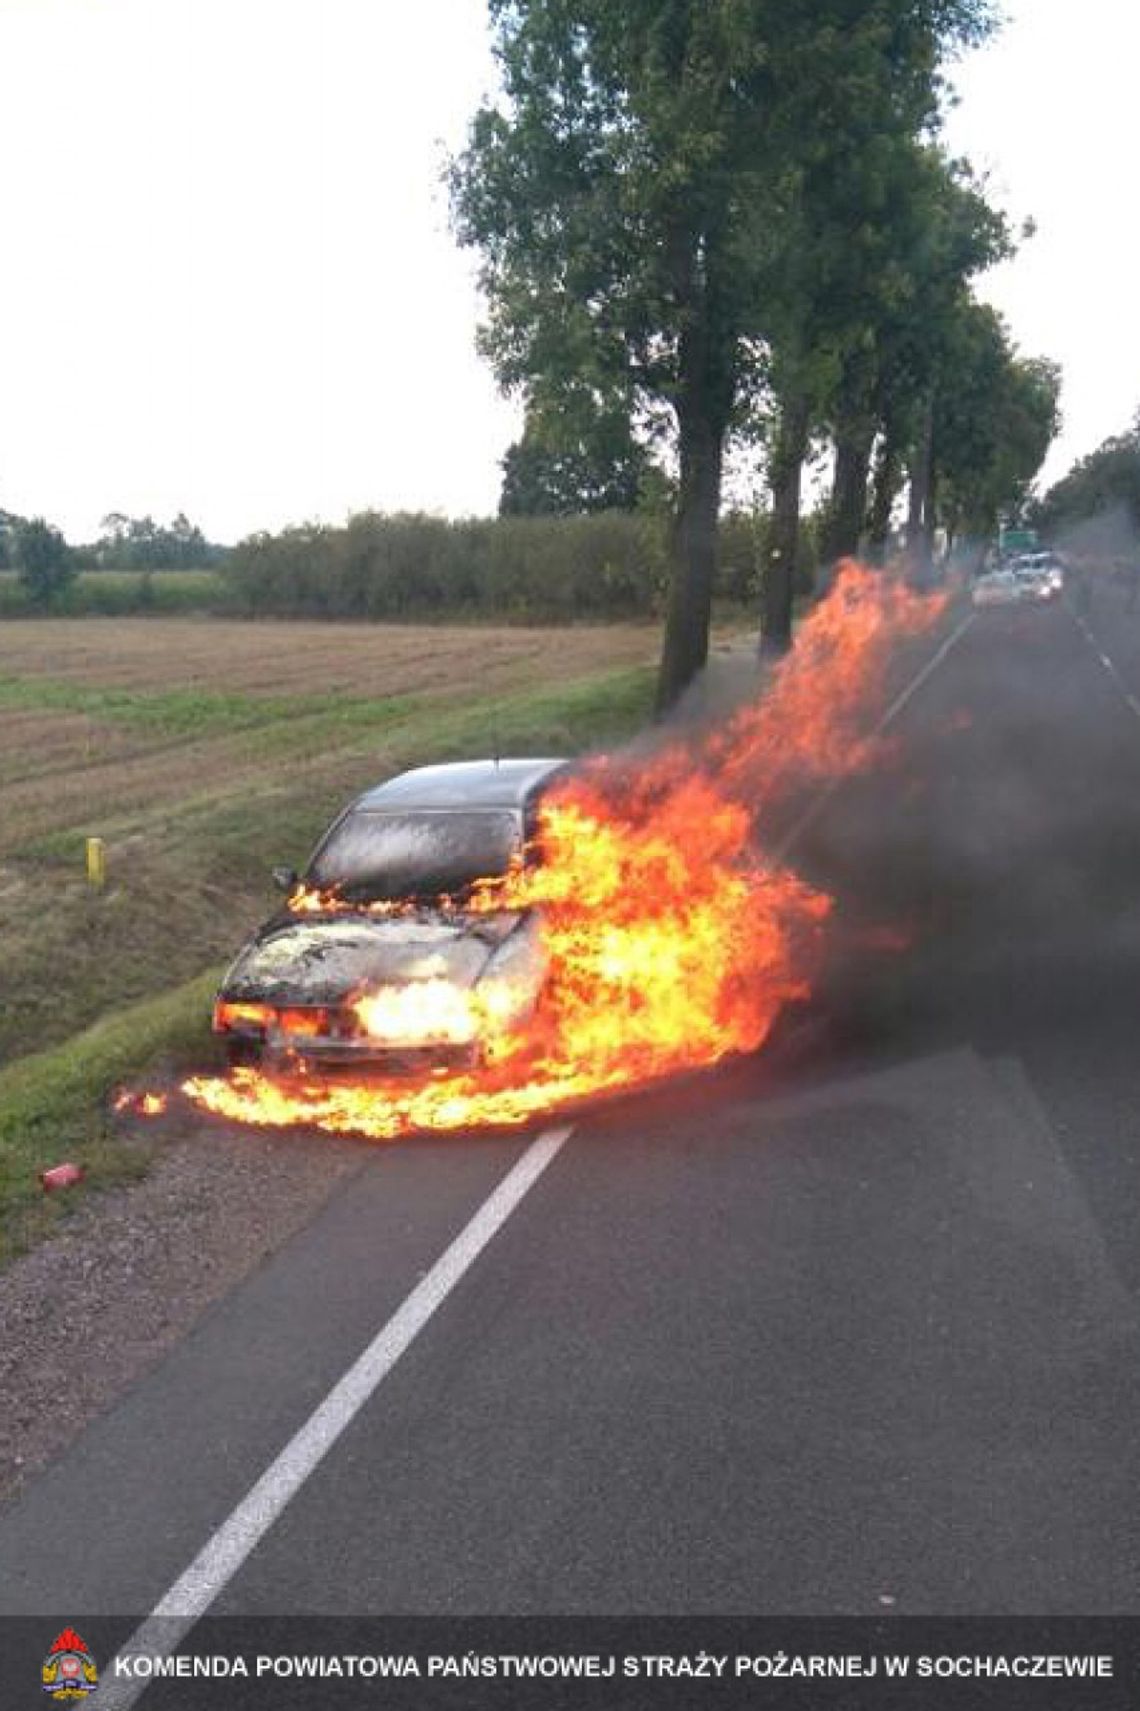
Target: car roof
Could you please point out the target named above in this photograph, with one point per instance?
(463, 784)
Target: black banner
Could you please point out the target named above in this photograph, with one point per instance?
(572, 1664)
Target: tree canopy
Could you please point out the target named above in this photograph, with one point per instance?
(993, 422)
(1102, 489)
(685, 209)
(549, 473)
(45, 563)
(139, 543)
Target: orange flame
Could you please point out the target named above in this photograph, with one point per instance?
(670, 940)
(140, 1104)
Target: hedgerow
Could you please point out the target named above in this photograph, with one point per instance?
(610, 565)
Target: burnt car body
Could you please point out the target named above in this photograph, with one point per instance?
(374, 962)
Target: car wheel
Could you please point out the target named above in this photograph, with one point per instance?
(242, 1053)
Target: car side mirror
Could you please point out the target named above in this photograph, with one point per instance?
(285, 879)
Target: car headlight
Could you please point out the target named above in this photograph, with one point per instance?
(234, 1017)
(420, 1013)
(509, 987)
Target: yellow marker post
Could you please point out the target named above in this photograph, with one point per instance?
(96, 862)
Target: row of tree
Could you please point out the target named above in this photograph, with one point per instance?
(1097, 504)
(47, 565)
(139, 543)
(610, 564)
(703, 222)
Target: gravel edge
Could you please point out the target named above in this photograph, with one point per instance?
(89, 1311)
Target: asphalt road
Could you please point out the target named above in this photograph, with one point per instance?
(846, 1328)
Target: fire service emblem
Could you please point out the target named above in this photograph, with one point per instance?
(69, 1669)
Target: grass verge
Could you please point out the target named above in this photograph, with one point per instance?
(54, 1106)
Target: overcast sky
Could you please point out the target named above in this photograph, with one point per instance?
(229, 287)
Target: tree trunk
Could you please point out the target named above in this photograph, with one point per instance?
(783, 535)
(706, 386)
(847, 513)
(685, 649)
(920, 520)
(885, 485)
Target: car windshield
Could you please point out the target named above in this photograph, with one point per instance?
(385, 857)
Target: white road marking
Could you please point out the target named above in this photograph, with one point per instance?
(828, 791)
(1126, 694)
(928, 669)
(238, 1536)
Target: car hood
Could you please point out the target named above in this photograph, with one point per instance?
(330, 959)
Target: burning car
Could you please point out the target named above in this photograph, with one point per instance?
(636, 926)
(380, 957)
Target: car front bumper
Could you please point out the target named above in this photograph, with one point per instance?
(364, 1056)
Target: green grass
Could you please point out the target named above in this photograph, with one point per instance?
(195, 712)
(54, 1106)
(179, 713)
(96, 971)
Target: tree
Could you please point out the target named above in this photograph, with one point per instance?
(605, 200)
(1103, 489)
(992, 423)
(910, 284)
(547, 473)
(44, 561)
(9, 524)
(869, 202)
(637, 204)
(139, 543)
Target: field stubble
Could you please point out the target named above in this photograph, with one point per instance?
(274, 658)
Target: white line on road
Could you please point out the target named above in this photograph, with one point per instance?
(235, 1540)
(928, 669)
(820, 801)
(1127, 695)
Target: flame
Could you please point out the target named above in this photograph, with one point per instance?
(140, 1104)
(428, 1011)
(670, 938)
(310, 900)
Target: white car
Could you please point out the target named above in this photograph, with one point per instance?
(1000, 588)
(1042, 575)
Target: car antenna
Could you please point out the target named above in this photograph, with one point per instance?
(495, 745)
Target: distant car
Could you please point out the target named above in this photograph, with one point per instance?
(1041, 573)
(377, 960)
(999, 588)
